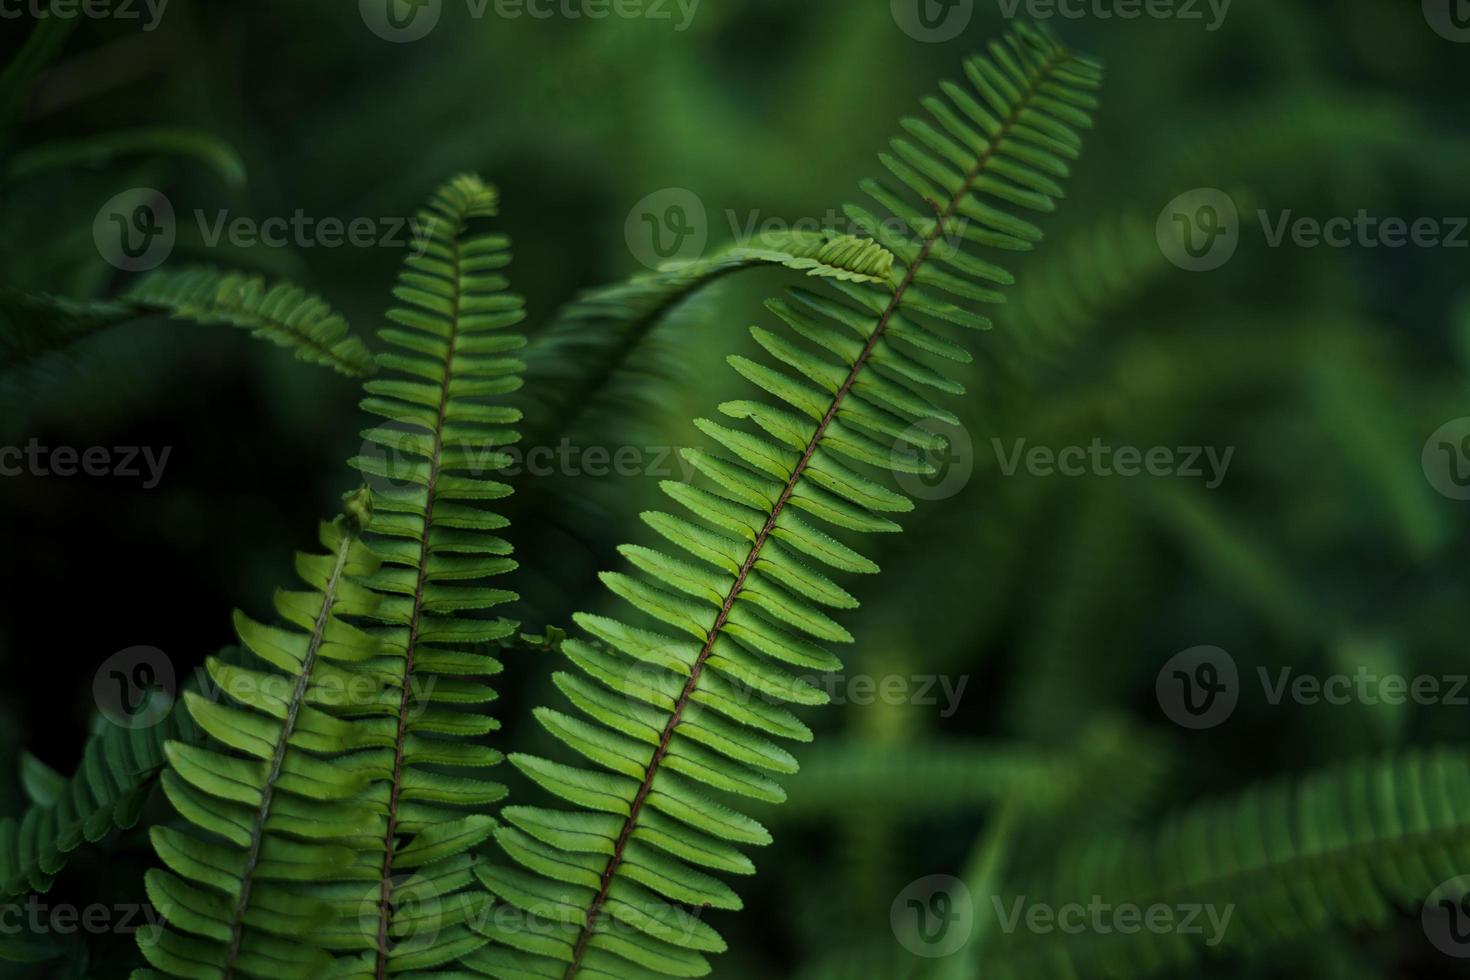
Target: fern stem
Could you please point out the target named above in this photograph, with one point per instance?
(278, 758)
(616, 860)
(386, 895)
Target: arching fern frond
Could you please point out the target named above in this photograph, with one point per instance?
(677, 726)
(1353, 846)
(595, 335)
(284, 314)
(34, 325)
(118, 768)
(273, 800)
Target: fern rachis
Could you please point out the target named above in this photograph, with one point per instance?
(872, 393)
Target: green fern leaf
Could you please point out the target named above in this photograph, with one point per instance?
(273, 803)
(592, 897)
(430, 466)
(1353, 846)
(282, 313)
(119, 766)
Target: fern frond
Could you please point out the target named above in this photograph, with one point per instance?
(118, 768)
(594, 336)
(674, 725)
(284, 314)
(1352, 846)
(274, 806)
(444, 439)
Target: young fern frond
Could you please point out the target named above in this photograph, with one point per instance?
(440, 552)
(118, 768)
(593, 337)
(284, 314)
(1353, 846)
(275, 804)
(604, 889)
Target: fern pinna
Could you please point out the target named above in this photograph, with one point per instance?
(604, 890)
(347, 789)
